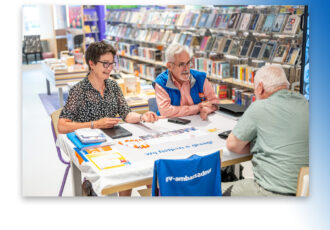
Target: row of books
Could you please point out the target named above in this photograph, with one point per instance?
(271, 50)
(220, 90)
(258, 22)
(215, 69)
(91, 29)
(244, 73)
(145, 70)
(149, 53)
(91, 17)
(148, 71)
(242, 96)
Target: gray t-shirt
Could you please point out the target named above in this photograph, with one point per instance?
(278, 130)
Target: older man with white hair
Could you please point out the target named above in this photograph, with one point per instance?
(275, 130)
(181, 91)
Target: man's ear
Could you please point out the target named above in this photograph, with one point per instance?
(260, 88)
(169, 66)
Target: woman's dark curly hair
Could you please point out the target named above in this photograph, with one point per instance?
(96, 50)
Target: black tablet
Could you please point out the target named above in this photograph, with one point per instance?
(117, 132)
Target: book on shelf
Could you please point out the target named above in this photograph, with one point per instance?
(210, 20)
(172, 37)
(180, 20)
(182, 38)
(176, 37)
(187, 19)
(281, 53)
(165, 36)
(189, 39)
(202, 20)
(235, 47)
(279, 23)
(293, 55)
(224, 21)
(245, 22)
(233, 21)
(209, 44)
(218, 44)
(217, 21)
(269, 50)
(260, 22)
(87, 29)
(226, 46)
(268, 25)
(257, 50)
(204, 42)
(253, 22)
(246, 48)
(195, 19)
(292, 24)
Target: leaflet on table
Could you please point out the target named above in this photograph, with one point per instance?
(102, 157)
(81, 146)
(107, 160)
(88, 135)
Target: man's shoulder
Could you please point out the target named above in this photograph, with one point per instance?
(197, 73)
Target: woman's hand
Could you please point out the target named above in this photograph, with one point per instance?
(150, 117)
(105, 123)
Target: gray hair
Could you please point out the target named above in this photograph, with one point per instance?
(176, 48)
(272, 76)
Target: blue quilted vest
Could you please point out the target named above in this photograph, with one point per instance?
(196, 92)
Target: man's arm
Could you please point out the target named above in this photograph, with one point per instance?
(236, 145)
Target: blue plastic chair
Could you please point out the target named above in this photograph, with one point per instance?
(194, 176)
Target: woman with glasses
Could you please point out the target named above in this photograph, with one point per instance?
(181, 91)
(95, 101)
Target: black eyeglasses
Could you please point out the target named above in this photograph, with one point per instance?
(107, 64)
(181, 65)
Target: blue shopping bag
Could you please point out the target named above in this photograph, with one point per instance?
(194, 176)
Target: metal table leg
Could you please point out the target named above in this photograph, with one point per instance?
(48, 87)
(76, 176)
(60, 96)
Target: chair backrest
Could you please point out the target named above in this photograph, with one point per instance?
(303, 182)
(32, 44)
(194, 176)
(55, 116)
(78, 40)
(152, 103)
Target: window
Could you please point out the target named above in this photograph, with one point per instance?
(31, 20)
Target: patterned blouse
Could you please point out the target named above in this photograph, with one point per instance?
(86, 104)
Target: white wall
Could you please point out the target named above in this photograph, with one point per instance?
(46, 21)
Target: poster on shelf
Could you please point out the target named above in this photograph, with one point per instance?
(75, 17)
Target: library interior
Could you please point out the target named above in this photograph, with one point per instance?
(176, 100)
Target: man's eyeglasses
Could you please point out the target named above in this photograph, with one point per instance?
(182, 65)
(107, 64)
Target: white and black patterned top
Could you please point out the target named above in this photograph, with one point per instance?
(86, 104)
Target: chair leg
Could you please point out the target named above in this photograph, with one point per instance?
(64, 179)
(35, 57)
(27, 59)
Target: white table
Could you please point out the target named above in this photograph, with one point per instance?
(140, 171)
(60, 79)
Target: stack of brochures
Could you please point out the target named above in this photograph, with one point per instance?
(89, 138)
(88, 135)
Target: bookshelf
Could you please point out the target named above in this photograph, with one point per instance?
(94, 25)
(229, 43)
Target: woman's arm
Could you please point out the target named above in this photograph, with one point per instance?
(67, 126)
